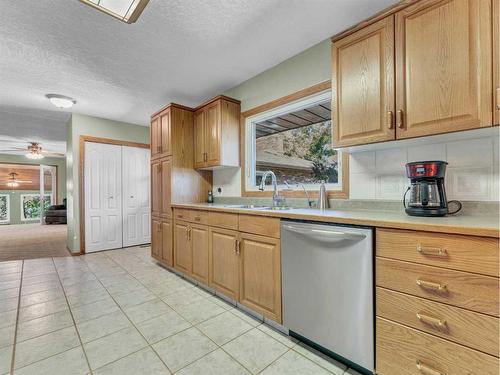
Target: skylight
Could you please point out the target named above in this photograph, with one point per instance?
(125, 10)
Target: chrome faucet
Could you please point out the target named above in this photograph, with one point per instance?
(277, 199)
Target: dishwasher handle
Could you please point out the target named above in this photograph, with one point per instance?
(329, 235)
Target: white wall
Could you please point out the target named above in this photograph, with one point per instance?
(471, 175)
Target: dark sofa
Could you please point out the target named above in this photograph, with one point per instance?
(56, 214)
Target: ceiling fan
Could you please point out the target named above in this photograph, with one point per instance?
(34, 151)
(13, 181)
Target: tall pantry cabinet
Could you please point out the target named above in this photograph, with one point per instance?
(173, 177)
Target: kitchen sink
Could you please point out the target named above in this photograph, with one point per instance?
(257, 207)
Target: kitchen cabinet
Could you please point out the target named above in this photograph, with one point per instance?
(439, 292)
(161, 136)
(444, 67)
(167, 255)
(182, 249)
(216, 134)
(199, 250)
(173, 177)
(223, 274)
(260, 274)
(363, 69)
(425, 69)
(161, 174)
(156, 239)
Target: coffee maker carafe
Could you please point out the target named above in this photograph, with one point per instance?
(427, 192)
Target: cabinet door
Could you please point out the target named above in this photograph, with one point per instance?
(199, 139)
(363, 85)
(182, 247)
(156, 239)
(443, 65)
(166, 149)
(155, 135)
(213, 136)
(156, 189)
(167, 255)
(496, 62)
(166, 184)
(223, 271)
(199, 244)
(260, 275)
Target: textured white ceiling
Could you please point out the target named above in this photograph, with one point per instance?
(179, 50)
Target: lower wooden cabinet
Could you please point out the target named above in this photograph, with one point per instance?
(167, 239)
(223, 274)
(156, 238)
(199, 246)
(161, 240)
(260, 274)
(182, 248)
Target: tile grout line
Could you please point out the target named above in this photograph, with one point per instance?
(72, 318)
(195, 326)
(124, 313)
(13, 356)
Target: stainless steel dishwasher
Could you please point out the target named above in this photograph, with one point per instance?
(328, 288)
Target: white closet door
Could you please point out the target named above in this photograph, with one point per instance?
(103, 198)
(136, 191)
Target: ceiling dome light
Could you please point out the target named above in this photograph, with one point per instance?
(61, 101)
(34, 155)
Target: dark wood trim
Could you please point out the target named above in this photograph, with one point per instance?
(322, 86)
(376, 17)
(81, 190)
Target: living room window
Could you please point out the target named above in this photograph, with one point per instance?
(295, 142)
(4, 208)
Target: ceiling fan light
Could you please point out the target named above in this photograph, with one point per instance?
(34, 155)
(12, 184)
(61, 101)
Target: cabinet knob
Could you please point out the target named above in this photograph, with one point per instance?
(427, 370)
(400, 119)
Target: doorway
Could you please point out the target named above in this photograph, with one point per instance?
(28, 193)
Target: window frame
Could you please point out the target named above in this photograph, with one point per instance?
(6, 221)
(21, 196)
(301, 99)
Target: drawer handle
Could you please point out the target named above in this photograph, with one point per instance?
(197, 218)
(428, 370)
(436, 251)
(180, 216)
(428, 319)
(431, 285)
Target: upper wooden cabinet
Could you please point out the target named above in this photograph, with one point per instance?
(161, 135)
(363, 69)
(426, 69)
(161, 176)
(216, 134)
(444, 67)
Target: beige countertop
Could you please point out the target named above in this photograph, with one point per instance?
(460, 224)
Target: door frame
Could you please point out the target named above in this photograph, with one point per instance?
(81, 174)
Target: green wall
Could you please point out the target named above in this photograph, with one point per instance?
(298, 72)
(59, 162)
(95, 127)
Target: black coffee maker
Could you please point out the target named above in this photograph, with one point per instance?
(427, 192)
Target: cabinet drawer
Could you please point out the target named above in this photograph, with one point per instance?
(193, 216)
(265, 226)
(470, 291)
(402, 350)
(463, 253)
(223, 220)
(464, 327)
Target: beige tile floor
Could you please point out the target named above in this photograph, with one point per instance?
(118, 312)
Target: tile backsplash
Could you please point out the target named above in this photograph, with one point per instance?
(471, 175)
